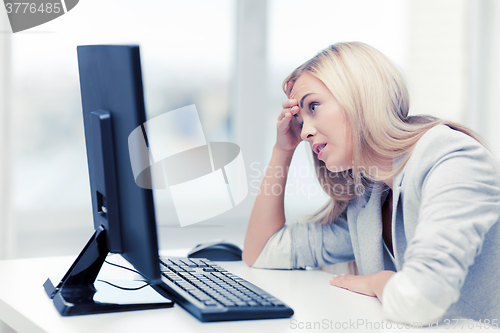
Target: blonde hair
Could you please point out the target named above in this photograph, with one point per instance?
(374, 98)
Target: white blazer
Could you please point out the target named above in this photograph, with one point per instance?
(445, 234)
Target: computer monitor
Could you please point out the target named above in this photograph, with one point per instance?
(123, 213)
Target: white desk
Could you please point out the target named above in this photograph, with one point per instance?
(25, 306)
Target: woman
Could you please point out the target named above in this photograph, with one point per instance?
(415, 200)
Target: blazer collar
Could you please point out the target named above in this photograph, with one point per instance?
(397, 180)
(397, 222)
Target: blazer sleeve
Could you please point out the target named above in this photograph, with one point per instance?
(460, 202)
(302, 244)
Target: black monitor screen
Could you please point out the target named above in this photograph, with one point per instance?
(113, 106)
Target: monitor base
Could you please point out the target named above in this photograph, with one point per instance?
(79, 293)
(103, 297)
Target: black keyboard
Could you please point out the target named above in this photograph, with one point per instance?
(211, 293)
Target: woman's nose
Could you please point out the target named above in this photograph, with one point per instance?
(308, 131)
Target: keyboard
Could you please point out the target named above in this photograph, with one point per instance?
(211, 293)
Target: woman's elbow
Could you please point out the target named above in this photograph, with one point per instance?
(248, 258)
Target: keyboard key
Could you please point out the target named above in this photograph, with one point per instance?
(198, 262)
(177, 262)
(187, 268)
(165, 262)
(219, 269)
(204, 297)
(240, 303)
(176, 269)
(266, 303)
(227, 303)
(242, 289)
(278, 303)
(188, 263)
(172, 278)
(210, 302)
(219, 297)
(253, 288)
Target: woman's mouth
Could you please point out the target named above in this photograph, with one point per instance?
(320, 150)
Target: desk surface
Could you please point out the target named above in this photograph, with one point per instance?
(26, 308)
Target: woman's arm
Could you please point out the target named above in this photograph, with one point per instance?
(268, 213)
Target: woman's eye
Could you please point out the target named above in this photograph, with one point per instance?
(313, 106)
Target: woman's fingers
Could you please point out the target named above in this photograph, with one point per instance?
(284, 121)
(289, 106)
(356, 283)
(292, 111)
(288, 103)
(288, 129)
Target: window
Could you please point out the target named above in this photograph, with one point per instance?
(186, 53)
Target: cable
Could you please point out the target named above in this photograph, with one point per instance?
(125, 288)
(129, 269)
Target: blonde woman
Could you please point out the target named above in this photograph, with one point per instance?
(415, 200)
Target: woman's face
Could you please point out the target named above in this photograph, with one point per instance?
(324, 125)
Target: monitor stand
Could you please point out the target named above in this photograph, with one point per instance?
(78, 292)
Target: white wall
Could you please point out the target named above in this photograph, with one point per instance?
(454, 70)
(437, 70)
(485, 71)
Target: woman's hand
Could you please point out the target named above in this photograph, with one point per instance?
(288, 128)
(370, 285)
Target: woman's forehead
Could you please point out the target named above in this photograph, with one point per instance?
(306, 83)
